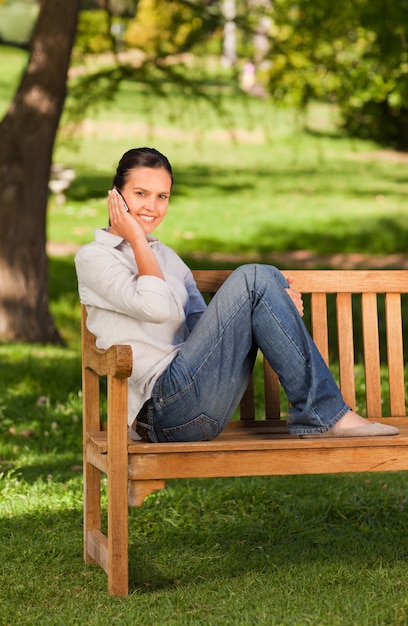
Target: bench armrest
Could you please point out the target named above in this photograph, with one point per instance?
(115, 361)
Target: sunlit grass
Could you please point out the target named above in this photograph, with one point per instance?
(275, 189)
(12, 62)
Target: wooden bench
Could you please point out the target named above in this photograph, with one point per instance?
(249, 446)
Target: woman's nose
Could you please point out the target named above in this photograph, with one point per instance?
(150, 203)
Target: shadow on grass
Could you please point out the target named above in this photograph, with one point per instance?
(382, 235)
(345, 175)
(268, 526)
(345, 179)
(40, 415)
(200, 532)
(63, 293)
(88, 185)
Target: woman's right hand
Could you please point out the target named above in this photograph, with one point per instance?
(122, 223)
(295, 296)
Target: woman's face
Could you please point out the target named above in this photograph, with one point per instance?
(146, 192)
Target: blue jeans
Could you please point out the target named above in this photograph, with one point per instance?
(197, 394)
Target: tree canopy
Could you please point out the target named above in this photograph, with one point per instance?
(354, 54)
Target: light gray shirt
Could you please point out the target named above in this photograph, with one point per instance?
(152, 315)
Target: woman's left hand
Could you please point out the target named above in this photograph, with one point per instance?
(295, 296)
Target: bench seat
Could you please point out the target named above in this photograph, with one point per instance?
(258, 449)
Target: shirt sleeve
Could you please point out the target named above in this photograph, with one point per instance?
(105, 282)
(196, 304)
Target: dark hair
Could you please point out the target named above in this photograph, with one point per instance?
(140, 157)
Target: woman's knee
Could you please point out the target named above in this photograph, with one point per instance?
(257, 274)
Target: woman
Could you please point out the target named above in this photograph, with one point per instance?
(191, 363)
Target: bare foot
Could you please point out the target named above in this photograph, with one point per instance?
(350, 420)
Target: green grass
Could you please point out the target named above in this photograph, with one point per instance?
(295, 551)
(254, 199)
(13, 62)
(290, 550)
(258, 187)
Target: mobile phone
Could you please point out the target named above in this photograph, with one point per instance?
(123, 199)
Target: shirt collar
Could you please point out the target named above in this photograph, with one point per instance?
(104, 236)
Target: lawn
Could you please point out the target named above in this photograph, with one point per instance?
(290, 551)
(268, 193)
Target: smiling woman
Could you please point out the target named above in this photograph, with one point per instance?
(192, 363)
(142, 184)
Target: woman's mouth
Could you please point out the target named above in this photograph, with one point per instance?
(146, 218)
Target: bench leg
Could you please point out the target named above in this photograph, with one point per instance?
(118, 576)
(92, 507)
(117, 467)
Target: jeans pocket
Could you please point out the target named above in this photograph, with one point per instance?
(201, 428)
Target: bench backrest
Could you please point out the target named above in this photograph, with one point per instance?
(349, 303)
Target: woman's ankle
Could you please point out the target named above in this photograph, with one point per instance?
(350, 420)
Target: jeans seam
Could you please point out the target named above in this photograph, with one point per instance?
(219, 337)
(277, 320)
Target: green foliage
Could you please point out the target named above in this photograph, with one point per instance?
(17, 20)
(163, 28)
(159, 82)
(354, 54)
(93, 34)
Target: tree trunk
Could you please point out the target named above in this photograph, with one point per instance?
(27, 135)
(229, 12)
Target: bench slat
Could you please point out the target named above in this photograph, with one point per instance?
(345, 347)
(272, 393)
(371, 344)
(323, 281)
(247, 404)
(318, 304)
(395, 353)
(353, 281)
(265, 462)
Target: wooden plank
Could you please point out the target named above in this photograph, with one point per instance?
(117, 486)
(247, 404)
(395, 353)
(353, 281)
(323, 281)
(272, 393)
(320, 333)
(257, 438)
(98, 548)
(90, 421)
(97, 457)
(331, 459)
(90, 382)
(209, 281)
(346, 348)
(92, 506)
(371, 354)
